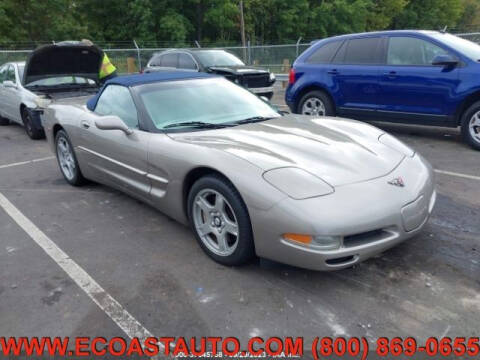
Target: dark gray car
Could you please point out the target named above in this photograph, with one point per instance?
(259, 81)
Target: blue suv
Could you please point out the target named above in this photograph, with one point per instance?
(415, 77)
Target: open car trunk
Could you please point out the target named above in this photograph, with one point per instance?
(66, 69)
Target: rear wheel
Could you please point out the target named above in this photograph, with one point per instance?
(32, 132)
(316, 103)
(67, 161)
(471, 125)
(220, 221)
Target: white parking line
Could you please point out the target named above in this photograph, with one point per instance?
(26, 162)
(451, 173)
(104, 300)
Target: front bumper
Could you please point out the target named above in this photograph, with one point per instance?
(370, 217)
(261, 90)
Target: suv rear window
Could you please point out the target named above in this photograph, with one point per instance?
(325, 53)
(360, 51)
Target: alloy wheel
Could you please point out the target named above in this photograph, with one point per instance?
(66, 158)
(215, 222)
(474, 127)
(313, 106)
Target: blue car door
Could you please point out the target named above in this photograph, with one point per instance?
(355, 73)
(412, 89)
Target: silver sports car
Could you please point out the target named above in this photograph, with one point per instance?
(318, 193)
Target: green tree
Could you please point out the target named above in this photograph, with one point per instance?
(470, 19)
(429, 14)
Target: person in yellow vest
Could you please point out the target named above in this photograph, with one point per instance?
(108, 70)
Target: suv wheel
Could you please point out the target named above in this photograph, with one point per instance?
(219, 218)
(316, 103)
(471, 126)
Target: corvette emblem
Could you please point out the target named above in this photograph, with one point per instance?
(397, 182)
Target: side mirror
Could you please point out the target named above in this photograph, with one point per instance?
(445, 60)
(9, 84)
(112, 122)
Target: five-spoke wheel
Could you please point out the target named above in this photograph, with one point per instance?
(67, 160)
(220, 220)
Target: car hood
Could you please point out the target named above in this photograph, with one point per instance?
(236, 70)
(337, 150)
(63, 59)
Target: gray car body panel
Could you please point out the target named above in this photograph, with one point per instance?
(346, 154)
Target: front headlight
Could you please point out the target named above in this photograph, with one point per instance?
(315, 242)
(395, 144)
(272, 77)
(297, 183)
(42, 102)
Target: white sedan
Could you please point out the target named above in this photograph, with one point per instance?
(16, 101)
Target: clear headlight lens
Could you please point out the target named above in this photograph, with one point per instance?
(395, 144)
(297, 183)
(272, 76)
(42, 102)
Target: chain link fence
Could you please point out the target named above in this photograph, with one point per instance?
(131, 59)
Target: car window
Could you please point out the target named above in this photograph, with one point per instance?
(185, 61)
(412, 51)
(209, 58)
(361, 51)
(21, 69)
(117, 100)
(169, 60)
(325, 53)
(156, 61)
(10, 75)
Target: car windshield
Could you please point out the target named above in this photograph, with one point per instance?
(211, 58)
(62, 80)
(190, 103)
(463, 46)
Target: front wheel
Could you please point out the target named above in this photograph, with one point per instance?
(32, 131)
(67, 161)
(471, 126)
(219, 218)
(316, 103)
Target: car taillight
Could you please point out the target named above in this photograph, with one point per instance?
(291, 76)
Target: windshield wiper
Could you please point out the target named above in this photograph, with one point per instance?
(197, 124)
(253, 119)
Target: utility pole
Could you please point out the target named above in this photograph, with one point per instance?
(242, 31)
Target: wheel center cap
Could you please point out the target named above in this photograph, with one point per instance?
(217, 221)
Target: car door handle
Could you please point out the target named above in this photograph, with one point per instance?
(333, 72)
(85, 124)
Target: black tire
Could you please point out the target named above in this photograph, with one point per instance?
(245, 249)
(32, 132)
(467, 118)
(77, 179)
(4, 122)
(321, 96)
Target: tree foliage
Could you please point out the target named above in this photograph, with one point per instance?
(218, 21)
